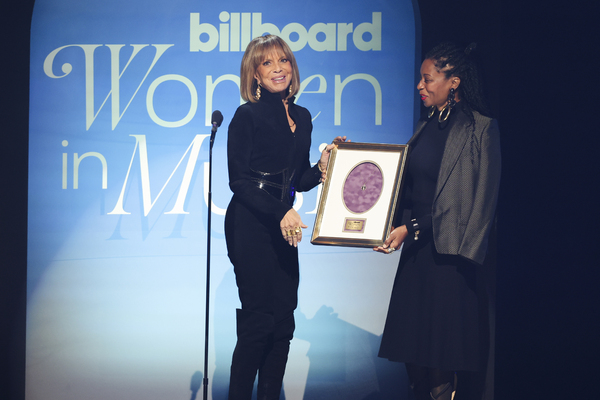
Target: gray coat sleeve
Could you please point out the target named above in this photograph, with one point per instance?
(465, 207)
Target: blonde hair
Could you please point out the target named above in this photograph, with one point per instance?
(256, 52)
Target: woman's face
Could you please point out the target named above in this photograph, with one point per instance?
(434, 86)
(275, 72)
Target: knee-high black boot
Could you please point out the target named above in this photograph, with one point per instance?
(445, 391)
(417, 377)
(270, 374)
(253, 332)
(431, 383)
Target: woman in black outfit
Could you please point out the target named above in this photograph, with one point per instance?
(268, 158)
(444, 220)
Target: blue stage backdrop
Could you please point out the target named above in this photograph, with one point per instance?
(121, 98)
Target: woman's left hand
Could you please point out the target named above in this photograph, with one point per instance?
(324, 160)
(291, 227)
(394, 241)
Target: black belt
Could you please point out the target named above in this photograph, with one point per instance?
(277, 184)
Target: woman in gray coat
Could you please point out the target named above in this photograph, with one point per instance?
(444, 220)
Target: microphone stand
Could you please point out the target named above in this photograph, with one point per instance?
(208, 235)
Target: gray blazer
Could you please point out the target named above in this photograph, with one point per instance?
(467, 188)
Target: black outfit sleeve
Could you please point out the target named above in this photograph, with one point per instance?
(260, 139)
(403, 216)
(423, 168)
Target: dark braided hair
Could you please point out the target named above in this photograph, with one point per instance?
(456, 61)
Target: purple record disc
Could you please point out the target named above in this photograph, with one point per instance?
(362, 188)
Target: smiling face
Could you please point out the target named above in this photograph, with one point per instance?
(275, 72)
(434, 86)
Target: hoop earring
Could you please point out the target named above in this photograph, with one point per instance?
(449, 105)
(257, 95)
(431, 112)
(440, 119)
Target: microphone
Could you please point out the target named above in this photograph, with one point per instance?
(217, 120)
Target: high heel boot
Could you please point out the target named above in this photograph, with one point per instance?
(445, 391)
(271, 372)
(253, 332)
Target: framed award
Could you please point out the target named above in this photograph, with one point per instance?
(360, 193)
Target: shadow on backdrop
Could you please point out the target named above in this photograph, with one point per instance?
(343, 358)
(344, 363)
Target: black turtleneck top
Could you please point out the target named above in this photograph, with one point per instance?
(423, 169)
(260, 139)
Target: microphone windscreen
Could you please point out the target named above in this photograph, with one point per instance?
(217, 118)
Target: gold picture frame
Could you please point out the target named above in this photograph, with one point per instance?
(358, 200)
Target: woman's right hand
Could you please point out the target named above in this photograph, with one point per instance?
(291, 227)
(394, 241)
(324, 160)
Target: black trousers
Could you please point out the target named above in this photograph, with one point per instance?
(267, 276)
